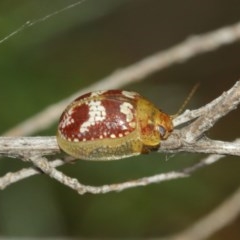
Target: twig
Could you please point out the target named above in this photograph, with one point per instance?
(34, 148)
(73, 183)
(13, 177)
(177, 144)
(228, 101)
(180, 140)
(49, 168)
(25, 147)
(135, 72)
(193, 114)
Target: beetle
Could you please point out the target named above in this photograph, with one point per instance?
(112, 124)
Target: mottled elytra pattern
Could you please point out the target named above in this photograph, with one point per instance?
(112, 124)
(99, 115)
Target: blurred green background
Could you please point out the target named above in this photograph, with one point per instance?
(49, 61)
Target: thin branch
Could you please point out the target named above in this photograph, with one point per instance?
(34, 148)
(181, 52)
(176, 144)
(25, 147)
(73, 183)
(228, 101)
(193, 114)
(179, 140)
(49, 168)
(13, 177)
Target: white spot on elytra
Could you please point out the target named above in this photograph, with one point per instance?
(129, 94)
(112, 136)
(97, 113)
(126, 108)
(67, 120)
(97, 93)
(132, 124)
(123, 125)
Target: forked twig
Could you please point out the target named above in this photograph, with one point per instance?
(35, 148)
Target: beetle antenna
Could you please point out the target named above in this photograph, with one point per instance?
(190, 95)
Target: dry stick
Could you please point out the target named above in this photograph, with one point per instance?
(176, 144)
(80, 188)
(135, 72)
(193, 114)
(232, 204)
(229, 101)
(210, 114)
(49, 168)
(24, 147)
(229, 209)
(13, 177)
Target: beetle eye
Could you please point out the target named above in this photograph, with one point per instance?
(162, 131)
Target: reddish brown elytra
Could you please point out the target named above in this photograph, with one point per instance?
(112, 124)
